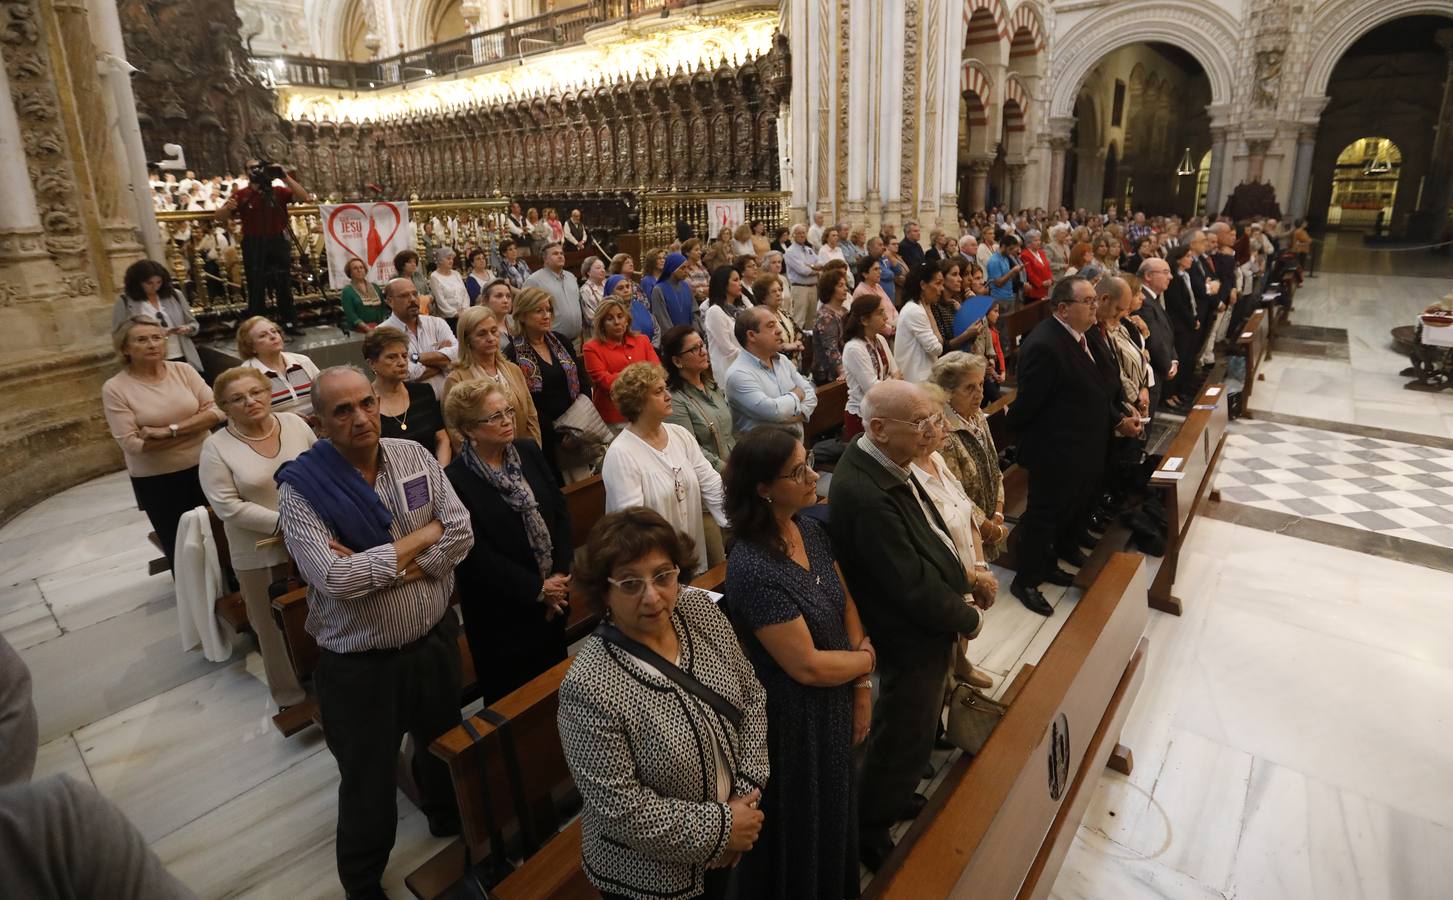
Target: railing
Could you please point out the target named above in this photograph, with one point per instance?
(661, 211)
(205, 256)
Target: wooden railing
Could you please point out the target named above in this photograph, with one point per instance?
(205, 256)
(660, 211)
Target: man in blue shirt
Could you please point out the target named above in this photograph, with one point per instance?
(762, 386)
(1003, 269)
(802, 268)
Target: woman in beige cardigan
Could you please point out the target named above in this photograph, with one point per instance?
(480, 357)
(237, 469)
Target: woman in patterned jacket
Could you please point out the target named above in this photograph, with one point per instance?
(662, 719)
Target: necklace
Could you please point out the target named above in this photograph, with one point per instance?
(256, 440)
(403, 421)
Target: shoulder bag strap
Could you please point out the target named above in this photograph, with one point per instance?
(706, 417)
(684, 680)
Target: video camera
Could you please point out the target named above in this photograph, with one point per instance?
(262, 173)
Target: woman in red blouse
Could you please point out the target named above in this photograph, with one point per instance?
(615, 346)
(1037, 274)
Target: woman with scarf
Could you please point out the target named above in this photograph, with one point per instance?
(672, 303)
(552, 372)
(514, 586)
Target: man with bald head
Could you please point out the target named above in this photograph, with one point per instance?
(376, 531)
(431, 342)
(911, 590)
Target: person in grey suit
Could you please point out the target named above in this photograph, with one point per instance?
(911, 588)
(663, 721)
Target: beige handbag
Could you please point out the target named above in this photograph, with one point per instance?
(971, 717)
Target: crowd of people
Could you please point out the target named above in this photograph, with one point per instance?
(711, 743)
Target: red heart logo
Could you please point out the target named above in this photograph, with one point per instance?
(374, 244)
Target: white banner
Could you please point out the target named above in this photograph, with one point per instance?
(724, 214)
(372, 232)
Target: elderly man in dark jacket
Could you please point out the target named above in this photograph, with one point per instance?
(910, 587)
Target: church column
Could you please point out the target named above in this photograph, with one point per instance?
(1427, 222)
(1016, 185)
(1059, 146)
(1302, 171)
(1218, 170)
(979, 182)
(131, 158)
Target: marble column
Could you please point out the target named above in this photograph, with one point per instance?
(1217, 174)
(1302, 172)
(1016, 185)
(979, 183)
(1427, 222)
(1059, 146)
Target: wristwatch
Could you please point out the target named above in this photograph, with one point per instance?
(173, 427)
(413, 357)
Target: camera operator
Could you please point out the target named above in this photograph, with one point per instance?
(267, 256)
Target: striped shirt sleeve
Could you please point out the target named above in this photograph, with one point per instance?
(340, 577)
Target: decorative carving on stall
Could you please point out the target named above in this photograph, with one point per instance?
(697, 128)
(33, 92)
(191, 65)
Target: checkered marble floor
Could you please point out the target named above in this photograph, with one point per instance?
(1401, 490)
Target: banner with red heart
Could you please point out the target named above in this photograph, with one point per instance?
(371, 232)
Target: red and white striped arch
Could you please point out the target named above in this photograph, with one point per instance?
(1016, 104)
(1027, 31)
(984, 28)
(974, 84)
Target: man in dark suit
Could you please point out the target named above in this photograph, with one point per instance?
(1180, 307)
(909, 248)
(1064, 414)
(910, 586)
(1160, 343)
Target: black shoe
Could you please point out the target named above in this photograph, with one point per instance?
(373, 893)
(293, 330)
(1087, 541)
(915, 806)
(1150, 544)
(445, 827)
(1060, 577)
(1032, 599)
(873, 852)
(1074, 557)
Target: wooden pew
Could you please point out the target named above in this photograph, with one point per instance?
(832, 399)
(1000, 824)
(487, 793)
(1253, 345)
(1013, 326)
(1183, 480)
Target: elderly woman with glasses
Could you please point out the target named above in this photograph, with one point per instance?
(807, 645)
(480, 359)
(447, 288)
(656, 464)
(514, 586)
(968, 450)
(662, 719)
(961, 517)
(237, 468)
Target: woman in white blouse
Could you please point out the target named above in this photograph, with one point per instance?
(831, 249)
(723, 302)
(918, 342)
(962, 519)
(866, 357)
(658, 465)
(237, 468)
(447, 288)
(260, 346)
(592, 290)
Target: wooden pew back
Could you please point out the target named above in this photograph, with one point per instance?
(1252, 345)
(832, 401)
(1013, 326)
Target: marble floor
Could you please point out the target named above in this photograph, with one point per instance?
(1291, 739)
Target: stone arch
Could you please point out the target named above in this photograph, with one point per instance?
(1026, 31)
(984, 31)
(976, 93)
(1016, 118)
(327, 26)
(1200, 30)
(1342, 22)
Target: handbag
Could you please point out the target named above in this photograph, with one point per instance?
(684, 680)
(972, 717)
(583, 421)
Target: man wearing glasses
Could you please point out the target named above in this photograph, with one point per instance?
(910, 587)
(1063, 414)
(376, 531)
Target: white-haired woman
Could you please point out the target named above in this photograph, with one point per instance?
(446, 286)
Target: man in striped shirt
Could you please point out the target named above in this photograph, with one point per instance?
(389, 660)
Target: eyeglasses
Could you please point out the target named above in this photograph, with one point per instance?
(497, 418)
(924, 426)
(799, 473)
(261, 395)
(699, 348)
(635, 588)
(679, 484)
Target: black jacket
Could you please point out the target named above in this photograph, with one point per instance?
(1064, 411)
(907, 584)
(1200, 270)
(1180, 305)
(912, 253)
(1161, 342)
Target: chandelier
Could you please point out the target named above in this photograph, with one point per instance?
(1185, 168)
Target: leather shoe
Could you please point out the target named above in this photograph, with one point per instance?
(873, 852)
(915, 806)
(1087, 541)
(442, 827)
(977, 678)
(1032, 599)
(1060, 577)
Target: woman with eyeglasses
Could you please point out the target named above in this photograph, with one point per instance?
(662, 719)
(480, 358)
(697, 401)
(159, 412)
(237, 468)
(656, 464)
(514, 586)
(808, 647)
(260, 347)
(148, 291)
